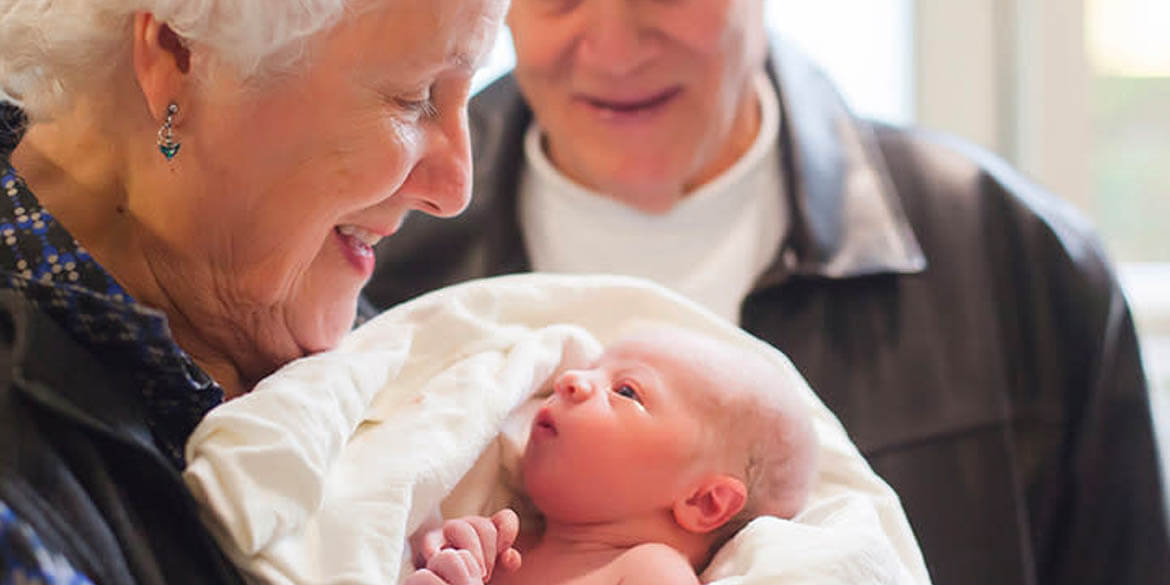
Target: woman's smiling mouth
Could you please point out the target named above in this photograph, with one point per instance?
(358, 245)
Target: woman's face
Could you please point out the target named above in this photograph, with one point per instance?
(639, 99)
(287, 187)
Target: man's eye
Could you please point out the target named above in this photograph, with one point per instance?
(628, 391)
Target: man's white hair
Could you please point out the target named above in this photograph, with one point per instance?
(51, 50)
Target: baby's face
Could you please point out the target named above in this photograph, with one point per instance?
(620, 437)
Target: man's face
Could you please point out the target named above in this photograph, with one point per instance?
(642, 100)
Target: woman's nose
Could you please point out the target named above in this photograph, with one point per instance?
(574, 386)
(440, 182)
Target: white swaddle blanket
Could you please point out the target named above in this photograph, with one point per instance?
(321, 473)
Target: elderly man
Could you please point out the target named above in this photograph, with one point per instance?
(964, 325)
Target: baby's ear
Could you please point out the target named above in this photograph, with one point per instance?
(710, 504)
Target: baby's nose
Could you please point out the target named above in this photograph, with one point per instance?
(574, 385)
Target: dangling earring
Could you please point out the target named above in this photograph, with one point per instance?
(167, 144)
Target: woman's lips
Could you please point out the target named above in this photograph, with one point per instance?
(630, 108)
(357, 245)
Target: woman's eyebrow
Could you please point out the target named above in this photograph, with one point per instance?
(463, 60)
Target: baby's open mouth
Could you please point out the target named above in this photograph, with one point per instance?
(544, 422)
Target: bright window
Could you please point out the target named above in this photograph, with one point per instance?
(869, 54)
(1128, 52)
(1128, 49)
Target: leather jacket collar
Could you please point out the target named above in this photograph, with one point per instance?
(847, 217)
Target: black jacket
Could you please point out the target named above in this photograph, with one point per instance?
(78, 463)
(965, 327)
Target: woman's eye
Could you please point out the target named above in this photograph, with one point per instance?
(627, 391)
(424, 108)
(420, 104)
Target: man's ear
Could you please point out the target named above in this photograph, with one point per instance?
(710, 504)
(161, 63)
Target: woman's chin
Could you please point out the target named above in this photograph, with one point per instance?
(318, 331)
(338, 322)
(327, 338)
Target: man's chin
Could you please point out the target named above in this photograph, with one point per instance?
(651, 200)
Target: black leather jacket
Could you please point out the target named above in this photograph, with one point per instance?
(965, 326)
(79, 465)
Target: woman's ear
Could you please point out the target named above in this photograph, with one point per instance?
(161, 63)
(710, 504)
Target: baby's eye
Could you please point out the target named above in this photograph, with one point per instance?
(627, 391)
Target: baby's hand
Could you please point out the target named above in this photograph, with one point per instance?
(449, 567)
(488, 540)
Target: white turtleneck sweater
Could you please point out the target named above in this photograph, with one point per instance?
(710, 247)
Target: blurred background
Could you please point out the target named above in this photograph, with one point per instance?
(1076, 93)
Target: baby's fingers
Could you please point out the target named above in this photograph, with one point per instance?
(476, 535)
(507, 525)
(423, 577)
(430, 545)
(509, 560)
(453, 567)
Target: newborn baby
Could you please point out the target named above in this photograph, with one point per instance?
(641, 466)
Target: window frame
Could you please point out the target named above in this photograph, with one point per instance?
(973, 80)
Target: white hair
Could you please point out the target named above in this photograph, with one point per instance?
(51, 50)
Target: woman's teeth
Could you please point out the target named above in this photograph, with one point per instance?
(364, 236)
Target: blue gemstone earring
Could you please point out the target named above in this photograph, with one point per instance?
(167, 144)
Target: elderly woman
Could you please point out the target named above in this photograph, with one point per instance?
(192, 204)
(965, 326)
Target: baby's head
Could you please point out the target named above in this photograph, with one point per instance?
(671, 420)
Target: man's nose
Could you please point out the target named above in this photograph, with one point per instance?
(615, 41)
